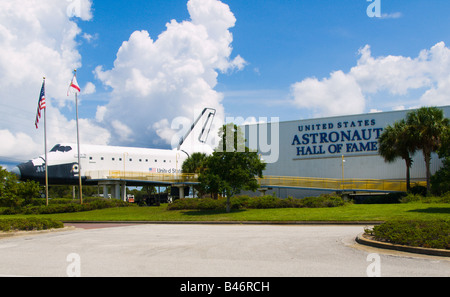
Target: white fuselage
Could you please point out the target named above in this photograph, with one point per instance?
(100, 162)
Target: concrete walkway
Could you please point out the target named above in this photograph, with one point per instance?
(187, 250)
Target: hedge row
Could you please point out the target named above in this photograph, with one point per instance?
(246, 202)
(444, 198)
(418, 233)
(65, 208)
(29, 224)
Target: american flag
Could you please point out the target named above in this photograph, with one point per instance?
(41, 105)
(152, 170)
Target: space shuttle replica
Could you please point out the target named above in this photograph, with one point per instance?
(102, 162)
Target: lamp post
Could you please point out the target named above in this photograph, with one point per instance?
(343, 161)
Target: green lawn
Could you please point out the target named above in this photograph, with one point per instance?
(352, 212)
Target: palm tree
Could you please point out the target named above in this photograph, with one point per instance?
(195, 163)
(396, 142)
(428, 125)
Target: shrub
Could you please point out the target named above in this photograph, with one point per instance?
(264, 202)
(418, 190)
(390, 198)
(418, 233)
(52, 208)
(29, 224)
(445, 198)
(322, 201)
(14, 193)
(440, 181)
(211, 204)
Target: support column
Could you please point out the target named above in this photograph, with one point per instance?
(105, 191)
(181, 192)
(116, 191)
(124, 191)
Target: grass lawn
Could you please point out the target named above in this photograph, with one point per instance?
(351, 212)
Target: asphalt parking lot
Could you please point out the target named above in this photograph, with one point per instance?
(159, 250)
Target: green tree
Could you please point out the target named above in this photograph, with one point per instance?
(195, 164)
(28, 191)
(444, 150)
(428, 125)
(440, 181)
(9, 189)
(232, 167)
(396, 142)
(14, 193)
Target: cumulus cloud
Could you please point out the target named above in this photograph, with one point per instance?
(154, 82)
(17, 146)
(337, 95)
(37, 39)
(88, 89)
(349, 93)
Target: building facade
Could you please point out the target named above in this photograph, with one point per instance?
(333, 147)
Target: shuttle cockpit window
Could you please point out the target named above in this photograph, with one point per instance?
(61, 148)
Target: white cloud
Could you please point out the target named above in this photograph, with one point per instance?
(337, 95)
(395, 74)
(18, 146)
(60, 129)
(152, 81)
(100, 114)
(392, 15)
(79, 8)
(164, 130)
(400, 107)
(89, 37)
(374, 110)
(121, 130)
(156, 81)
(88, 89)
(427, 75)
(37, 38)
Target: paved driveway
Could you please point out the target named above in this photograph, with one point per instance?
(208, 250)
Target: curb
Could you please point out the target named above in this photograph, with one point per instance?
(365, 223)
(361, 239)
(33, 232)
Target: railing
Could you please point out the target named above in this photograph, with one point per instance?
(267, 181)
(337, 184)
(142, 176)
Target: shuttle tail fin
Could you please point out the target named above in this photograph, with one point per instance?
(199, 131)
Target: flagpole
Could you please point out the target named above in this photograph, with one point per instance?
(78, 147)
(46, 159)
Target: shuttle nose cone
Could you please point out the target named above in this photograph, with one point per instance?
(17, 172)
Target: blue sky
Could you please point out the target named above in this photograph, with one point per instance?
(144, 63)
(283, 42)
